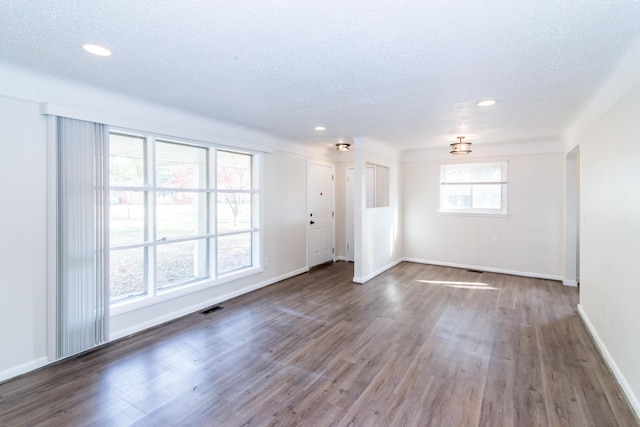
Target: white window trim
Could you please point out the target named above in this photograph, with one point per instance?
(154, 297)
(471, 212)
(128, 124)
(126, 306)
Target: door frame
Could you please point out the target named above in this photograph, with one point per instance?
(333, 206)
(572, 219)
(350, 214)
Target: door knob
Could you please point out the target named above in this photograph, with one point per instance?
(311, 222)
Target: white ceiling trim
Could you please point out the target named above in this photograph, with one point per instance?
(126, 123)
(520, 148)
(622, 78)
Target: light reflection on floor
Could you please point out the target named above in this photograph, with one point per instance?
(460, 285)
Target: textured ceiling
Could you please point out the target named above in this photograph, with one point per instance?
(405, 72)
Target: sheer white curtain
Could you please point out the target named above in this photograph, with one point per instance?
(81, 294)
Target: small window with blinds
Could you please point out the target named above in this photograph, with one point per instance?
(474, 188)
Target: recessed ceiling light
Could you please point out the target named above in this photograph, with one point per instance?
(486, 103)
(96, 50)
(320, 128)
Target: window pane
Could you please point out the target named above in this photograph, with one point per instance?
(126, 273)
(234, 212)
(474, 188)
(181, 263)
(487, 173)
(234, 252)
(487, 196)
(126, 160)
(180, 214)
(165, 192)
(126, 217)
(180, 166)
(456, 196)
(234, 171)
(457, 173)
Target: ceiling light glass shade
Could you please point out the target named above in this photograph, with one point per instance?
(460, 147)
(486, 103)
(343, 146)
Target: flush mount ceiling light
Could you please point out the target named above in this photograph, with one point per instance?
(96, 50)
(343, 146)
(486, 103)
(320, 128)
(460, 147)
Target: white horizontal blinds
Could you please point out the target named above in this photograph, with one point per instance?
(82, 294)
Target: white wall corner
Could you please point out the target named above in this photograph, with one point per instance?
(377, 146)
(358, 143)
(621, 79)
(487, 269)
(365, 279)
(384, 148)
(617, 373)
(569, 282)
(15, 371)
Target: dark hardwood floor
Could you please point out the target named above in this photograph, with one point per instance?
(417, 346)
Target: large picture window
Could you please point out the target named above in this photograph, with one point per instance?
(180, 214)
(474, 188)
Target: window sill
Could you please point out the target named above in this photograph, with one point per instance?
(133, 304)
(476, 214)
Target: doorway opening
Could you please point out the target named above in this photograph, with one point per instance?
(572, 219)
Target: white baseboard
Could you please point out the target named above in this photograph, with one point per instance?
(341, 258)
(192, 309)
(7, 374)
(624, 385)
(379, 271)
(571, 283)
(487, 269)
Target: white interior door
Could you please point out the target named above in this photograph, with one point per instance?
(349, 218)
(320, 212)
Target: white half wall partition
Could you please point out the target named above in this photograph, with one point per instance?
(377, 229)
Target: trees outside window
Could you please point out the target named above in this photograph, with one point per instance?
(180, 213)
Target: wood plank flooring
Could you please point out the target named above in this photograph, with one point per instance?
(419, 345)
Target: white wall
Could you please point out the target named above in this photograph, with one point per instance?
(529, 241)
(341, 211)
(23, 237)
(610, 238)
(23, 206)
